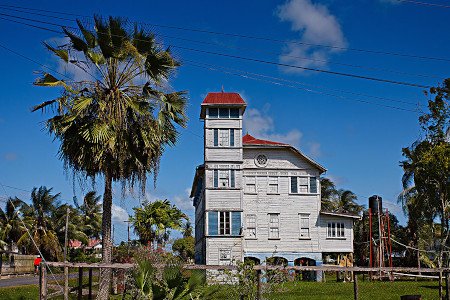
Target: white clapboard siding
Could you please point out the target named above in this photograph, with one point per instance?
(213, 246)
(336, 244)
(278, 158)
(227, 154)
(223, 199)
(223, 123)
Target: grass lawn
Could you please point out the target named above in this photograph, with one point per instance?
(367, 290)
(291, 290)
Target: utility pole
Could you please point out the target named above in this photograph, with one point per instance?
(128, 232)
(66, 269)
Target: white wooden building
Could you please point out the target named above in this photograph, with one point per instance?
(258, 199)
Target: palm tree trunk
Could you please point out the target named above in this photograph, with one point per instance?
(105, 277)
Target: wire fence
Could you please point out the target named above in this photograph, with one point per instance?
(269, 282)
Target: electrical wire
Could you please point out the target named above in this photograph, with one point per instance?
(305, 89)
(424, 3)
(301, 83)
(251, 36)
(267, 62)
(371, 68)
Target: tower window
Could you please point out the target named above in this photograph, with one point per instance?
(223, 113)
(234, 112)
(213, 113)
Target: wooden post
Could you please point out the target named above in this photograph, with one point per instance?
(80, 283)
(355, 286)
(42, 282)
(441, 291)
(90, 284)
(1, 263)
(258, 285)
(66, 269)
(447, 297)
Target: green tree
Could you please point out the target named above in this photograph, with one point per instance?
(346, 202)
(12, 227)
(91, 214)
(427, 168)
(328, 193)
(152, 221)
(75, 230)
(118, 124)
(38, 216)
(185, 247)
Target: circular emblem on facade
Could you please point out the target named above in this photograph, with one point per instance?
(261, 160)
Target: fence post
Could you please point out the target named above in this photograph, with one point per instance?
(258, 285)
(446, 286)
(90, 284)
(441, 291)
(42, 282)
(80, 283)
(355, 285)
(66, 282)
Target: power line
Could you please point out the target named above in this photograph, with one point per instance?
(302, 83)
(258, 37)
(424, 3)
(304, 89)
(277, 83)
(251, 49)
(267, 62)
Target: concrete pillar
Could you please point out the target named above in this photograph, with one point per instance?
(319, 274)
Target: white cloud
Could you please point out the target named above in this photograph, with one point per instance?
(315, 150)
(119, 214)
(393, 207)
(316, 25)
(260, 125)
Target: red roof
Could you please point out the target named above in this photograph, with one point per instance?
(223, 98)
(249, 140)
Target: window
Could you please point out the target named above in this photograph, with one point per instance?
(304, 225)
(224, 257)
(274, 226)
(224, 223)
(303, 185)
(223, 113)
(234, 113)
(250, 184)
(335, 230)
(273, 185)
(223, 137)
(224, 179)
(213, 113)
(251, 226)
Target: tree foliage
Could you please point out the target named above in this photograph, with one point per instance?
(153, 220)
(118, 123)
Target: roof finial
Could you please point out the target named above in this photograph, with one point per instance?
(222, 88)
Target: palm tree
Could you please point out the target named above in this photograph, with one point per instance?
(153, 220)
(39, 217)
(75, 230)
(117, 124)
(12, 227)
(91, 215)
(346, 202)
(328, 194)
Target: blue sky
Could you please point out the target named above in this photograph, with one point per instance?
(360, 144)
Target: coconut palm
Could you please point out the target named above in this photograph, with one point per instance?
(153, 220)
(75, 230)
(91, 215)
(12, 227)
(118, 124)
(328, 194)
(346, 202)
(39, 216)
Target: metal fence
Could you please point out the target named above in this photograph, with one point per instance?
(277, 282)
